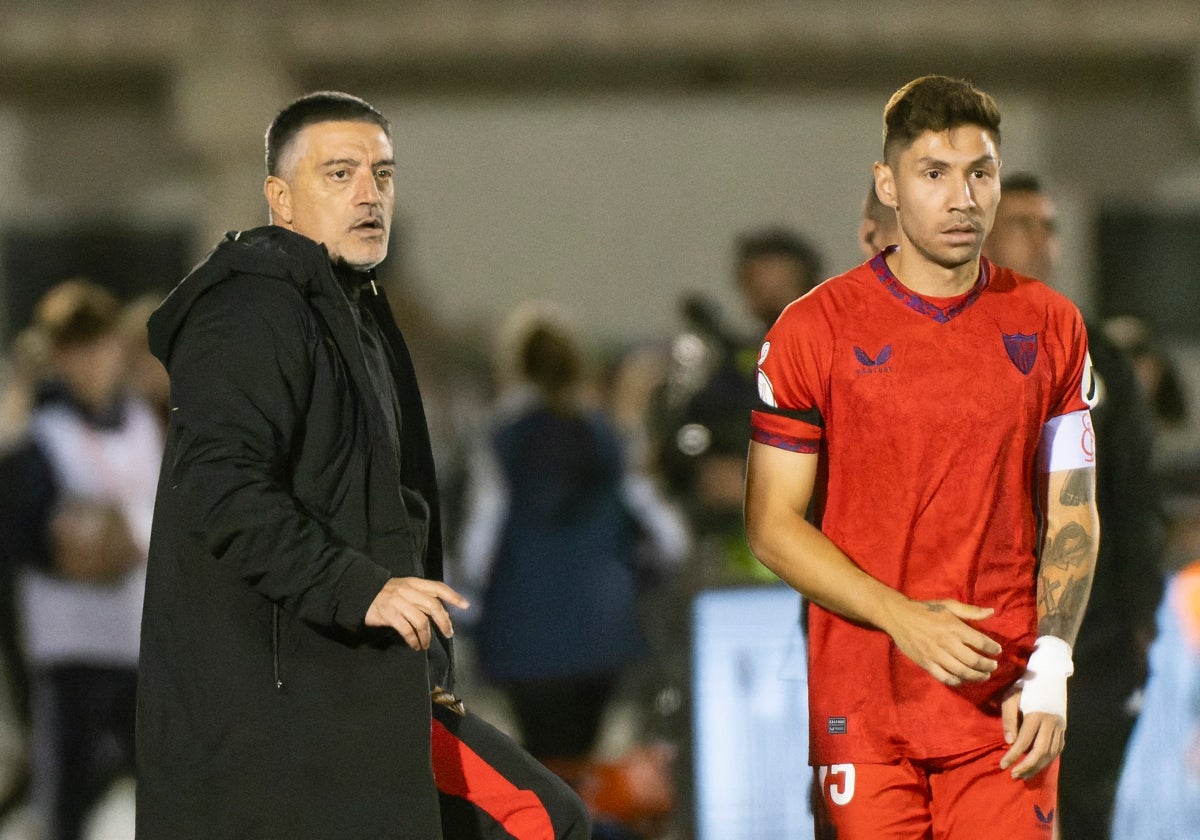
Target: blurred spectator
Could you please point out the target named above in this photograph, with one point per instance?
(702, 415)
(631, 383)
(25, 366)
(1025, 234)
(1111, 649)
(13, 758)
(147, 378)
(75, 522)
(699, 430)
(1159, 792)
(1154, 368)
(550, 539)
(774, 267)
(879, 227)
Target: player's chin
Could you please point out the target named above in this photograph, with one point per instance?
(951, 258)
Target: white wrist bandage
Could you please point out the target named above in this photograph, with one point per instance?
(1044, 686)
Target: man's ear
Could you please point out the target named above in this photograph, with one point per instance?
(885, 185)
(279, 199)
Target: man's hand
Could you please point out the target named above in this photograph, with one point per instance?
(936, 636)
(1039, 736)
(407, 605)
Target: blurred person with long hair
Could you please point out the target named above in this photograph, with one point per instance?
(550, 540)
(75, 521)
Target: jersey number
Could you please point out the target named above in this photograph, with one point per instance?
(839, 788)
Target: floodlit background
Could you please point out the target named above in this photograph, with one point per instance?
(602, 154)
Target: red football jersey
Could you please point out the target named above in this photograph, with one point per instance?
(929, 413)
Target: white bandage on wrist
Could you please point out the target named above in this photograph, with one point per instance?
(1044, 686)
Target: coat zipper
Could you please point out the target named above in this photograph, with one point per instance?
(275, 646)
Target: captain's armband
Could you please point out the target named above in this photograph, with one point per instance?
(1068, 443)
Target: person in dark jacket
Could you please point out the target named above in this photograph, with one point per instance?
(550, 539)
(1111, 656)
(295, 626)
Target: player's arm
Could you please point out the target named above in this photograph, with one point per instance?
(1035, 718)
(1069, 549)
(934, 634)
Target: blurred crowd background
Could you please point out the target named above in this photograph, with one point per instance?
(619, 164)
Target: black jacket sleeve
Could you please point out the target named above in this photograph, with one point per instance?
(241, 377)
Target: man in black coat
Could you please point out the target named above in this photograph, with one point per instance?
(1111, 654)
(295, 626)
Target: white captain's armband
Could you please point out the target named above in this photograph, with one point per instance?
(1068, 442)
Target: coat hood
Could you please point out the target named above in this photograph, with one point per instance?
(269, 251)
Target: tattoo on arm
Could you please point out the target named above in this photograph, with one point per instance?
(1067, 562)
(1069, 548)
(1077, 490)
(1062, 604)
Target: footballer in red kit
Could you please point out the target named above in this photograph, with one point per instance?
(932, 412)
(947, 401)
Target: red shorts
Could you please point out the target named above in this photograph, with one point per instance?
(960, 798)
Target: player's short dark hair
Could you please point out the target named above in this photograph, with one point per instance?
(1021, 182)
(781, 242)
(935, 103)
(76, 311)
(318, 107)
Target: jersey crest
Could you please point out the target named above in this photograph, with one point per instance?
(1022, 350)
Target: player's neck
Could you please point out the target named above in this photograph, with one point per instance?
(920, 274)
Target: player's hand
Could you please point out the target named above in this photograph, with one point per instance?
(936, 635)
(407, 605)
(1038, 736)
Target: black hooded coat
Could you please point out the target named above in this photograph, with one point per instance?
(266, 709)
